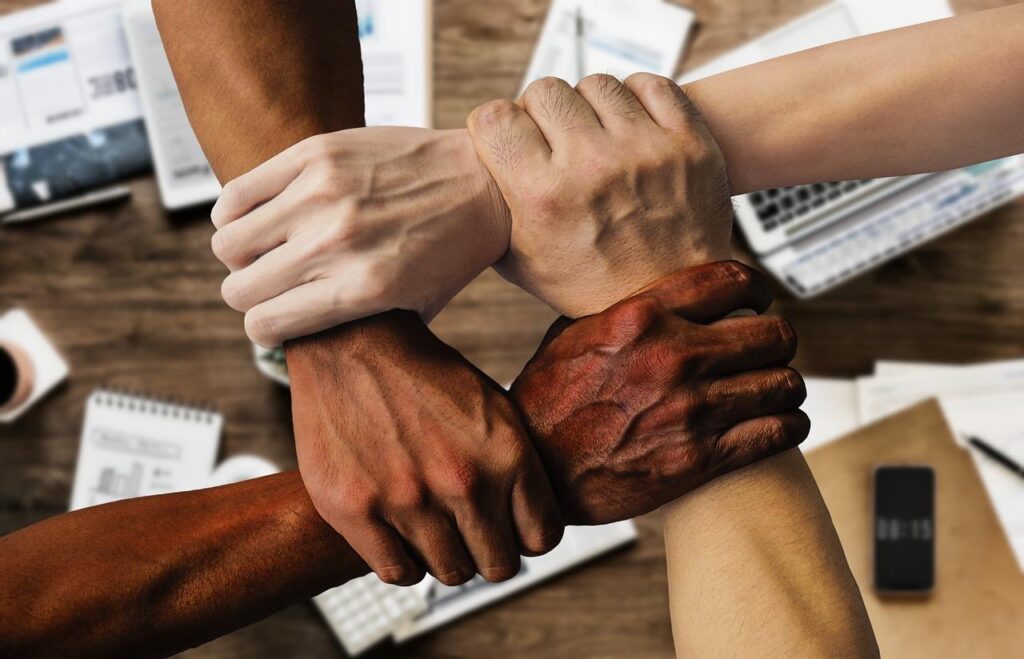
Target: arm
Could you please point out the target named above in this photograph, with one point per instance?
(754, 559)
(920, 99)
(153, 576)
(765, 570)
(157, 575)
(450, 472)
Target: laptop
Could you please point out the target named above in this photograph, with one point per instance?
(815, 237)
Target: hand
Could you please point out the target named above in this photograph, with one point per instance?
(413, 454)
(350, 224)
(611, 186)
(632, 408)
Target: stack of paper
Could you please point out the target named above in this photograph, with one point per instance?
(983, 401)
(583, 37)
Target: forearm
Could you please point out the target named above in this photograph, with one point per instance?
(754, 562)
(925, 98)
(156, 575)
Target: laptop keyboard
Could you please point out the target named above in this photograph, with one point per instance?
(778, 207)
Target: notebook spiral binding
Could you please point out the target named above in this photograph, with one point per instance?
(142, 403)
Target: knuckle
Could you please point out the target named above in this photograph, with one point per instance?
(651, 83)
(546, 87)
(407, 496)
(793, 382)
(234, 293)
(541, 542)
(740, 273)
(465, 483)
(638, 314)
(666, 360)
(499, 573)
(599, 82)
(456, 576)
(260, 330)
(773, 433)
(221, 245)
(357, 503)
(787, 335)
(490, 115)
(399, 575)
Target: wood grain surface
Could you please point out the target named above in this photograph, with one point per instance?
(130, 294)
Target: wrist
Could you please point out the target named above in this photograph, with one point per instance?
(490, 209)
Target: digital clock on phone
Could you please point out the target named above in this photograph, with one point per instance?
(904, 529)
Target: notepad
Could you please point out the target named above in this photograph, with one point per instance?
(134, 446)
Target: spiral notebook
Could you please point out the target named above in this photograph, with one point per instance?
(135, 446)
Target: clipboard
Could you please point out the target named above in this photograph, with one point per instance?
(977, 607)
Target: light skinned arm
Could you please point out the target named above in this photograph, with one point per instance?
(923, 98)
(754, 562)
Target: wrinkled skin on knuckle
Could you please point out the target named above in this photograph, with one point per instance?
(260, 329)
(787, 337)
(494, 128)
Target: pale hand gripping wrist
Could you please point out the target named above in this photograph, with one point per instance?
(349, 224)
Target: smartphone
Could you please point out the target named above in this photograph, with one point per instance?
(904, 529)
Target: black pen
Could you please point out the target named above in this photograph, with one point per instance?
(996, 455)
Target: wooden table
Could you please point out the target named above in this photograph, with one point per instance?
(130, 295)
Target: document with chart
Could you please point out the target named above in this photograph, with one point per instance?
(70, 118)
(133, 446)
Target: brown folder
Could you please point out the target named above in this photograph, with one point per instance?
(977, 607)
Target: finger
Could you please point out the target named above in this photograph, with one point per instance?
(308, 309)
(664, 101)
(384, 551)
(263, 183)
(487, 531)
(756, 439)
(241, 242)
(277, 271)
(433, 536)
(712, 291)
(558, 110)
(535, 512)
(507, 140)
(614, 104)
(745, 344)
(737, 398)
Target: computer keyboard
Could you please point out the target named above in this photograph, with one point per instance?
(778, 207)
(364, 611)
(824, 260)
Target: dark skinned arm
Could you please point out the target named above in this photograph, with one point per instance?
(454, 476)
(153, 576)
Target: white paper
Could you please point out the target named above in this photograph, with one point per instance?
(832, 407)
(619, 39)
(64, 70)
(983, 401)
(396, 41)
(132, 447)
(185, 177)
(834, 22)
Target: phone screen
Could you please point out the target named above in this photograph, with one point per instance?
(905, 529)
